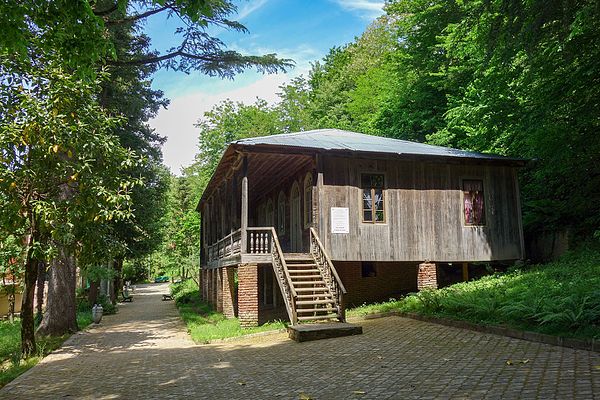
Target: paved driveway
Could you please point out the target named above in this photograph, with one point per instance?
(144, 352)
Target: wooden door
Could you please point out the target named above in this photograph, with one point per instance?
(295, 220)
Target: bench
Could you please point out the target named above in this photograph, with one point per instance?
(167, 297)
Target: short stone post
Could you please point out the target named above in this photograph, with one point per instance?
(248, 294)
(427, 276)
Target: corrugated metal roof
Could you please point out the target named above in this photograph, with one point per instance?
(336, 139)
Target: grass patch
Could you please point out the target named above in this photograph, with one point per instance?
(560, 298)
(205, 324)
(11, 364)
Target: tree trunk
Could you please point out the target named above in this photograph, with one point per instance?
(41, 282)
(93, 293)
(27, 322)
(117, 281)
(61, 309)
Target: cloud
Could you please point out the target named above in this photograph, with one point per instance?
(368, 9)
(177, 121)
(250, 8)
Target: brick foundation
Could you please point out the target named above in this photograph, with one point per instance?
(392, 280)
(427, 276)
(248, 294)
(219, 279)
(229, 296)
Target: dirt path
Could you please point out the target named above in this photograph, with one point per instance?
(143, 352)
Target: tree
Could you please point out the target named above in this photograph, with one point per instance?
(55, 140)
(197, 49)
(83, 35)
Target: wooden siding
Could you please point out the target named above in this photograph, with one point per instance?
(424, 212)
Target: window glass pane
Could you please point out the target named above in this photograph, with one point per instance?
(367, 215)
(474, 207)
(378, 199)
(478, 209)
(367, 201)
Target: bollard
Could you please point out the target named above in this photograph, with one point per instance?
(97, 313)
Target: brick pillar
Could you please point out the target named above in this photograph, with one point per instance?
(228, 292)
(248, 294)
(219, 280)
(427, 276)
(213, 286)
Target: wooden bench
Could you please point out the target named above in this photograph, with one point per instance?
(167, 297)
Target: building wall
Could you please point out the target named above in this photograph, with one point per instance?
(424, 212)
(391, 280)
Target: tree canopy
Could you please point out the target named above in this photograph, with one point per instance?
(503, 76)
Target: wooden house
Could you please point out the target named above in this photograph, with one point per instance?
(302, 224)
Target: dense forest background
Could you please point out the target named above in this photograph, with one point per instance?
(510, 77)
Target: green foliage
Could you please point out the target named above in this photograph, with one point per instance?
(560, 298)
(511, 78)
(203, 323)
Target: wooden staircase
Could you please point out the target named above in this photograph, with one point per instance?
(314, 300)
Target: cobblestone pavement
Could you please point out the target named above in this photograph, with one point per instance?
(144, 352)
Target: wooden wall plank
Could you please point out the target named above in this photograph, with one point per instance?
(424, 218)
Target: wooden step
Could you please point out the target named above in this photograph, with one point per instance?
(321, 289)
(302, 266)
(307, 277)
(316, 317)
(300, 271)
(312, 296)
(320, 282)
(297, 256)
(313, 302)
(311, 310)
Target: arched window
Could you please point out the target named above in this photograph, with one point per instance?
(281, 213)
(308, 206)
(270, 220)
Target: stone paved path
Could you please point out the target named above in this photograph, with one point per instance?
(143, 352)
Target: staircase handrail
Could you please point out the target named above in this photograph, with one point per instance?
(336, 287)
(281, 272)
(315, 236)
(283, 263)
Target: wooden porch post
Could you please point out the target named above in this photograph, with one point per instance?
(244, 215)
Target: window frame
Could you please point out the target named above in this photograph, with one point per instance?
(485, 201)
(373, 221)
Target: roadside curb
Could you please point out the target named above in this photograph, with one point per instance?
(578, 344)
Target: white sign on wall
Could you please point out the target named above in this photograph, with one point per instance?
(340, 220)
